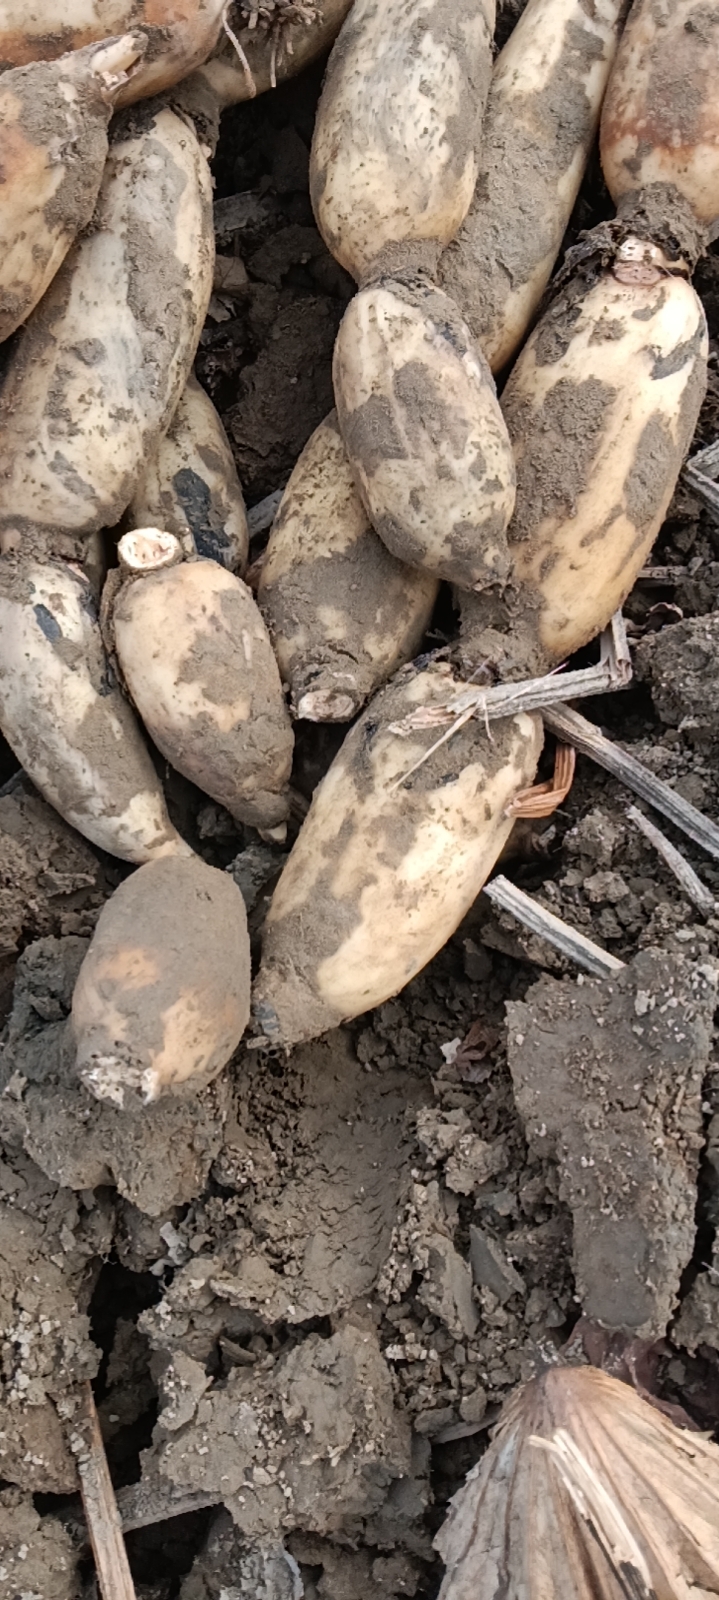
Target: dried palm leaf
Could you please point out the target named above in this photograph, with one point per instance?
(586, 1493)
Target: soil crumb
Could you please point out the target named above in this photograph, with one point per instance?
(679, 663)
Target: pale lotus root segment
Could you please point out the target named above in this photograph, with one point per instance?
(660, 121)
(424, 432)
(98, 371)
(601, 408)
(342, 612)
(66, 720)
(53, 148)
(162, 998)
(541, 121)
(198, 664)
(180, 35)
(395, 150)
(383, 871)
(270, 56)
(190, 485)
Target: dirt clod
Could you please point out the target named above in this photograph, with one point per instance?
(313, 1442)
(608, 1077)
(51, 1245)
(36, 1553)
(678, 663)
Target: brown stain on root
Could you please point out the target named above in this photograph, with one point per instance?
(661, 115)
(679, 108)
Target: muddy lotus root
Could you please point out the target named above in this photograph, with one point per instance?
(190, 485)
(660, 121)
(585, 1490)
(53, 147)
(179, 37)
(541, 121)
(342, 612)
(394, 154)
(197, 660)
(98, 371)
(65, 718)
(163, 994)
(424, 432)
(276, 49)
(386, 865)
(601, 407)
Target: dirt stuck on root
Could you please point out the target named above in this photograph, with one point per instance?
(303, 1296)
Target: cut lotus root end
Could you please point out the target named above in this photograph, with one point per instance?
(327, 705)
(276, 835)
(148, 550)
(544, 798)
(114, 64)
(639, 261)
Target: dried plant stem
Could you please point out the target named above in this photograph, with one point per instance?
(542, 799)
(694, 889)
(98, 1496)
(588, 955)
(143, 1504)
(459, 722)
(262, 516)
(613, 671)
(587, 739)
(663, 575)
(701, 473)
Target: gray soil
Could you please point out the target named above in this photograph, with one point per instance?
(303, 1296)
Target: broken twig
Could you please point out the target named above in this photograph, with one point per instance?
(263, 514)
(587, 739)
(98, 1497)
(701, 473)
(588, 955)
(664, 576)
(692, 885)
(143, 1504)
